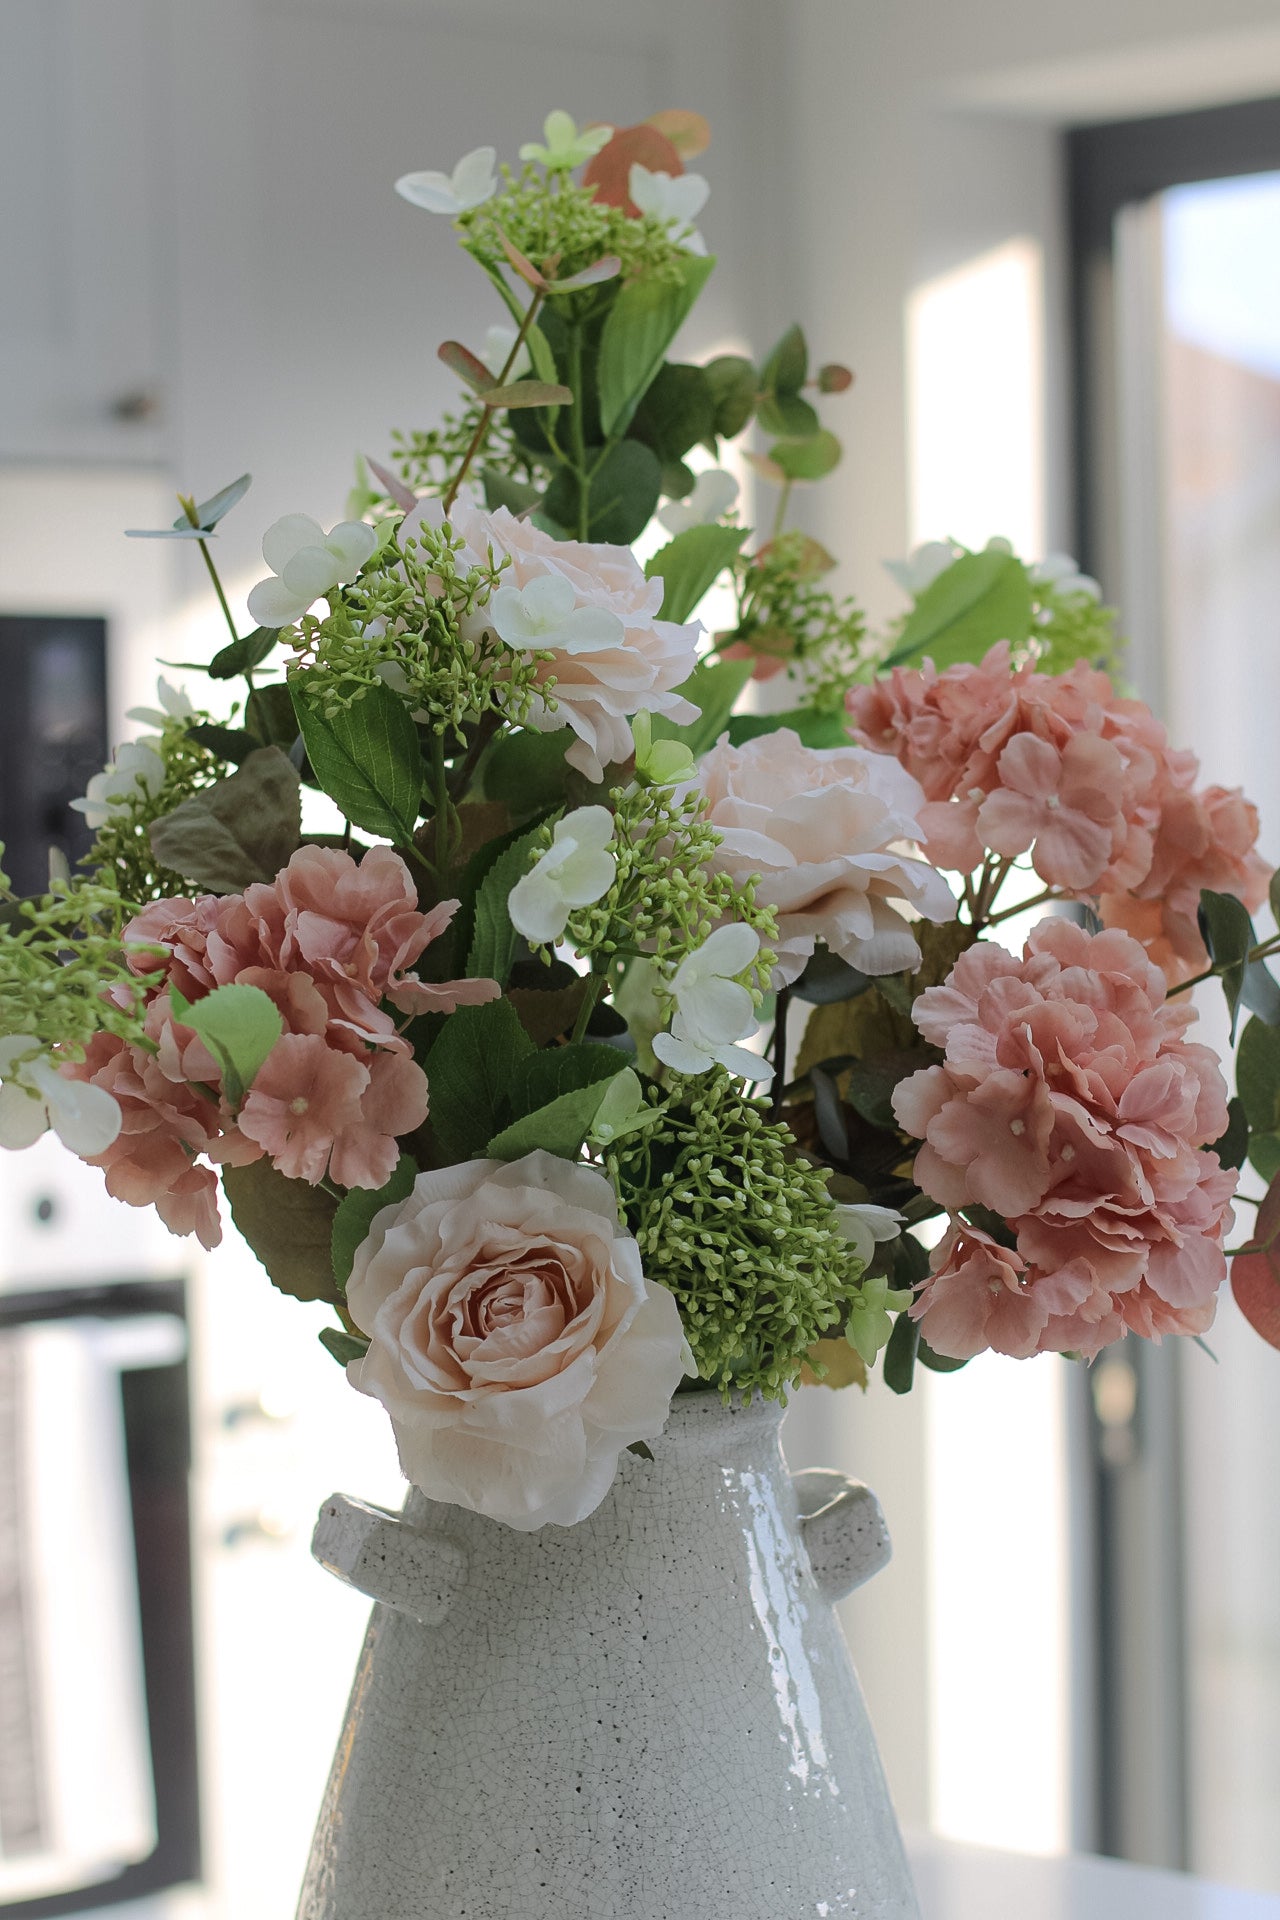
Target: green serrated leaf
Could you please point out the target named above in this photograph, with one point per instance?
(366, 757)
(239, 1025)
(979, 599)
(240, 830)
(345, 1347)
(355, 1214)
(470, 1068)
(643, 321)
(494, 941)
(560, 1127)
(554, 1071)
(288, 1224)
(527, 771)
(690, 564)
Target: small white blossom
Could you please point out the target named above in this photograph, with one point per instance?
(676, 199)
(714, 492)
(545, 614)
(1062, 573)
(306, 562)
(175, 704)
(472, 182)
(136, 769)
(498, 342)
(575, 871)
(865, 1226)
(714, 1009)
(566, 146)
(923, 565)
(34, 1096)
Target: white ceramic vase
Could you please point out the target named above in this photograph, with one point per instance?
(649, 1716)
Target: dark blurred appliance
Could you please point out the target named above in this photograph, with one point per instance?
(53, 737)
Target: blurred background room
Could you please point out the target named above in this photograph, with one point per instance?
(1047, 239)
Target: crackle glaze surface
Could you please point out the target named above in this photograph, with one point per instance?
(649, 1716)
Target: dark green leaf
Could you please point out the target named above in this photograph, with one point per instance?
(811, 459)
(527, 771)
(269, 713)
(816, 727)
(1264, 1154)
(979, 599)
(560, 1127)
(355, 1213)
(470, 1068)
(829, 1112)
(643, 321)
(678, 480)
(787, 366)
(243, 655)
(732, 381)
(229, 743)
(787, 416)
(937, 1362)
(555, 1071)
(1273, 896)
(899, 1363)
(345, 1347)
(366, 757)
(1228, 934)
(1258, 1076)
(1260, 993)
(1232, 1146)
(494, 941)
(288, 1224)
(237, 831)
(691, 563)
(676, 413)
(500, 490)
(622, 495)
(828, 978)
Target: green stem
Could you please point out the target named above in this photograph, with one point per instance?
(442, 806)
(1263, 951)
(778, 1049)
(577, 431)
(188, 506)
(784, 501)
(487, 413)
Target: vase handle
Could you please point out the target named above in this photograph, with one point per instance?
(381, 1554)
(843, 1530)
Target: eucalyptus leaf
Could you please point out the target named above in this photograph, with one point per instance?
(979, 599)
(787, 366)
(526, 393)
(676, 413)
(1228, 934)
(809, 459)
(899, 1362)
(355, 1214)
(1258, 1076)
(643, 321)
(732, 381)
(1232, 1147)
(240, 830)
(690, 564)
(501, 490)
(1260, 993)
(366, 757)
(787, 416)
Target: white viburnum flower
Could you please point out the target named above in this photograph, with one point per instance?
(565, 146)
(498, 342)
(136, 769)
(575, 871)
(1062, 573)
(34, 1096)
(175, 704)
(714, 492)
(546, 614)
(472, 182)
(865, 1226)
(923, 565)
(676, 199)
(714, 1010)
(306, 562)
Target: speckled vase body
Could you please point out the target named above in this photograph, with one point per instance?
(649, 1716)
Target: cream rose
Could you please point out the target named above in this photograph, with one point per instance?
(823, 829)
(604, 668)
(514, 1339)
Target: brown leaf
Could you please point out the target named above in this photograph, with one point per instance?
(237, 831)
(609, 171)
(526, 393)
(547, 1012)
(463, 362)
(844, 1366)
(688, 132)
(1255, 1277)
(289, 1225)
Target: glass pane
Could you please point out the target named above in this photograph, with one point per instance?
(1219, 365)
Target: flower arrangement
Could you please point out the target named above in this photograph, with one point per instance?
(511, 1073)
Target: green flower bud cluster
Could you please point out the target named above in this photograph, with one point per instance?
(666, 895)
(121, 854)
(784, 609)
(427, 459)
(400, 623)
(742, 1231)
(550, 217)
(62, 971)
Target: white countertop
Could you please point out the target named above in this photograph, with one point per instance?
(969, 1883)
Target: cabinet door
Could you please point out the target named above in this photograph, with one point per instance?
(82, 362)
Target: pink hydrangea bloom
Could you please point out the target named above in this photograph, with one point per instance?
(334, 943)
(1070, 1103)
(1059, 767)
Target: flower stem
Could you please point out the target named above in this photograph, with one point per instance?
(577, 430)
(778, 1049)
(188, 506)
(784, 501)
(1020, 906)
(482, 425)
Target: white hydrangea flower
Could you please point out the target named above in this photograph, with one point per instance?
(472, 182)
(1062, 573)
(676, 199)
(136, 768)
(546, 614)
(865, 1226)
(714, 492)
(923, 565)
(575, 871)
(175, 704)
(714, 1009)
(34, 1096)
(306, 562)
(563, 145)
(498, 342)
